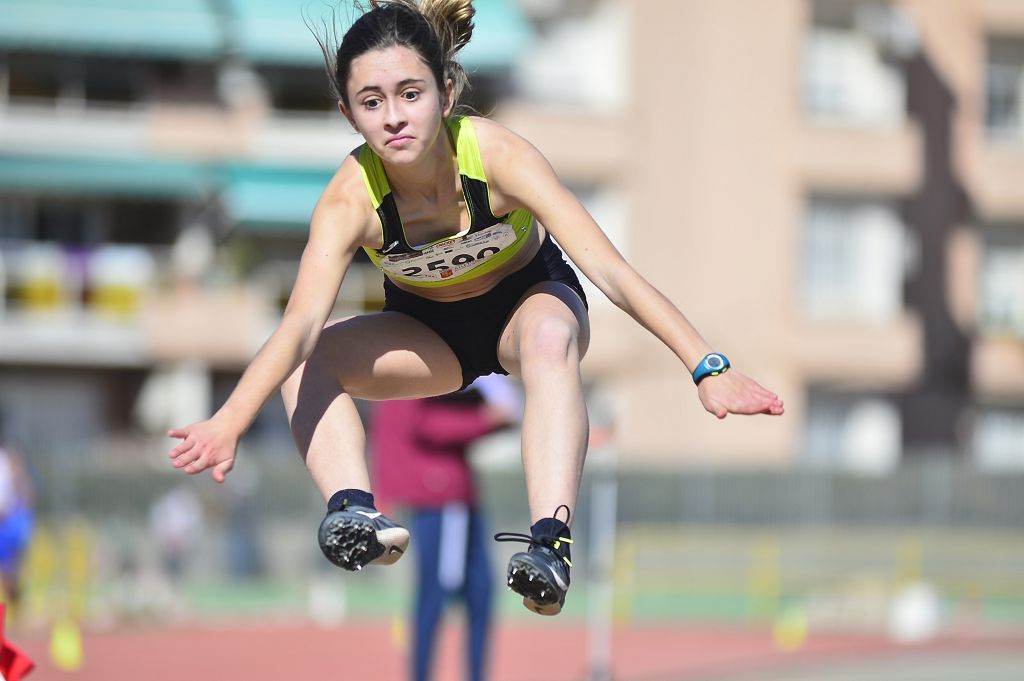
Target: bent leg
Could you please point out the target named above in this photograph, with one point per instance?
(387, 355)
(543, 343)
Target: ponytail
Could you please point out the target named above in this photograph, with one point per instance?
(453, 23)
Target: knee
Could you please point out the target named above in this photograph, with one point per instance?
(548, 340)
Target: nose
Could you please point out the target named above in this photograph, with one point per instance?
(393, 117)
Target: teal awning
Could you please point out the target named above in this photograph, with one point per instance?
(184, 29)
(263, 31)
(273, 199)
(132, 177)
(274, 31)
(501, 33)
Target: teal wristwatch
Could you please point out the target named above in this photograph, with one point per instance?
(713, 364)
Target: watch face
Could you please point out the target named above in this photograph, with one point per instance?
(714, 362)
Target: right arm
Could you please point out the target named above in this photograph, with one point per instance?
(338, 227)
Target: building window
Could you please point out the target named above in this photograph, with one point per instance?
(853, 262)
(858, 433)
(34, 77)
(1002, 281)
(580, 59)
(298, 90)
(1004, 89)
(44, 79)
(844, 76)
(80, 222)
(998, 442)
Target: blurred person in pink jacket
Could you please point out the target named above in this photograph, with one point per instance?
(420, 463)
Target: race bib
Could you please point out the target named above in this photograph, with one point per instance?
(452, 257)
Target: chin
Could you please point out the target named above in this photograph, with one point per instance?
(401, 157)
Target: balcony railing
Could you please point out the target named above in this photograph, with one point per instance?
(123, 305)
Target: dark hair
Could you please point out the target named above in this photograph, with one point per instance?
(435, 29)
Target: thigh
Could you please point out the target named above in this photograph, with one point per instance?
(548, 300)
(387, 355)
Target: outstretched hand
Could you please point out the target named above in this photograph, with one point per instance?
(734, 393)
(203, 445)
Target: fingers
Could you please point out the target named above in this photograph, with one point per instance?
(202, 446)
(202, 461)
(188, 455)
(742, 396)
(772, 406)
(183, 447)
(188, 460)
(753, 398)
(221, 470)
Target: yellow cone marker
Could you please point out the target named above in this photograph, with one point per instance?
(790, 629)
(66, 645)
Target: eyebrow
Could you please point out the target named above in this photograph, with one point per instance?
(401, 84)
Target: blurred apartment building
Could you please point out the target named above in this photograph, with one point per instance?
(832, 191)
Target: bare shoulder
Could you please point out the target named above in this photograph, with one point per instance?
(512, 164)
(344, 206)
(496, 141)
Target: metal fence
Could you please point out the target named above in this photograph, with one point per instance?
(677, 544)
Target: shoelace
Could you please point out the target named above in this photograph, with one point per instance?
(548, 541)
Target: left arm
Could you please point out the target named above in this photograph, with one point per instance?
(524, 177)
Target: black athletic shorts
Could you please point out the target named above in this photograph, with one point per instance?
(472, 327)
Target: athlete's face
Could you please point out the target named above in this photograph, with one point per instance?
(395, 104)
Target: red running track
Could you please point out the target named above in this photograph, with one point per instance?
(543, 650)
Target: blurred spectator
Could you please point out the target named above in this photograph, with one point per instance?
(176, 519)
(16, 518)
(420, 463)
(245, 559)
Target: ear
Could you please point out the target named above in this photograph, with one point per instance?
(448, 99)
(347, 114)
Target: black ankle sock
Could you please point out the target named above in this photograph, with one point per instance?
(350, 497)
(553, 527)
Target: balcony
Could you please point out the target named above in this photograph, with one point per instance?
(121, 306)
(861, 160)
(855, 356)
(40, 127)
(997, 368)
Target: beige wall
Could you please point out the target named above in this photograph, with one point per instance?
(720, 161)
(714, 191)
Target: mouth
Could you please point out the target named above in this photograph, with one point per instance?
(398, 141)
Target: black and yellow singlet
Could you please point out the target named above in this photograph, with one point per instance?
(485, 245)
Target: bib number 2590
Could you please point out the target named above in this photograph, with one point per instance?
(443, 264)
